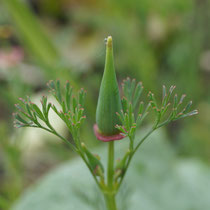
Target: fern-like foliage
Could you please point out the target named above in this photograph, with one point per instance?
(71, 111)
(133, 113)
(132, 119)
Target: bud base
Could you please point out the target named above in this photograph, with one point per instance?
(104, 138)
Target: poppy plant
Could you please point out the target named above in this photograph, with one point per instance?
(117, 118)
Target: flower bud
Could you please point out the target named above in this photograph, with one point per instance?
(109, 102)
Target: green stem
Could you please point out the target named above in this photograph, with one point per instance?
(53, 131)
(143, 139)
(110, 193)
(110, 171)
(110, 201)
(78, 150)
(87, 164)
(132, 154)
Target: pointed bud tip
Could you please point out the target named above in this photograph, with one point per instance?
(109, 41)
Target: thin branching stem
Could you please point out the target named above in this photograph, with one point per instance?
(61, 137)
(131, 156)
(143, 139)
(87, 164)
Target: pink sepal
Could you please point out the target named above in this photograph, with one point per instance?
(103, 138)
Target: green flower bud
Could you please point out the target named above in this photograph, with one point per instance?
(109, 98)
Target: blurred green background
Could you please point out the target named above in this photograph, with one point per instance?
(156, 42)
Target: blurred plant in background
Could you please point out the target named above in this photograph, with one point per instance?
(155, 43)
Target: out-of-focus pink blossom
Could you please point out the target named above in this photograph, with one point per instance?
(11, 58)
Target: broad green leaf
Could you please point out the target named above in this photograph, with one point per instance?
(157, 180)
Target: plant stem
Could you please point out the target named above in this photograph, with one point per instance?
(132, 154)
(110, 171)
(87, 164)
(143, 139)
(110, 201)
(110, 193)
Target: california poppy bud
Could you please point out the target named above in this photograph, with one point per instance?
(109, 102)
